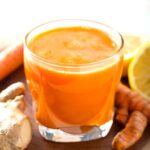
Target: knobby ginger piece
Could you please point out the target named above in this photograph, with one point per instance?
(18, 102)
(12, 91)
(15, 126)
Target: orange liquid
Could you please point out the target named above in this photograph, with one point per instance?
(65, 97)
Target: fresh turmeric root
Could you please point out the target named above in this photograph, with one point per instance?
(135, 123)
(122, 115)
(15, 127)
(128, 100)
(132, 131)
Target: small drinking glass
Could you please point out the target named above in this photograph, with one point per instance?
(73, 102)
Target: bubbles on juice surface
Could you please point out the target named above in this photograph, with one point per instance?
(73, 45)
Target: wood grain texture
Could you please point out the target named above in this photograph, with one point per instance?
(38, 143)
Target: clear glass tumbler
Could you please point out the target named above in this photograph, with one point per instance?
(75, 102)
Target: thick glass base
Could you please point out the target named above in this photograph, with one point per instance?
(75, 134)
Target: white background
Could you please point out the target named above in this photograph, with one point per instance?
(19, 16)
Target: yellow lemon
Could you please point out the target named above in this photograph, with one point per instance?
(139, 71)
(131, 45)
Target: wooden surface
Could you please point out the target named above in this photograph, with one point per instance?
(38, 143)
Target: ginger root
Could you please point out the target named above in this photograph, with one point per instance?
(131, 133)
(12, 91)
(15, 127)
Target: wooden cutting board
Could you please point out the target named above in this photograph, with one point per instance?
(38, 143)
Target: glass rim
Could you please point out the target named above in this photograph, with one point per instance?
(94, 63)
